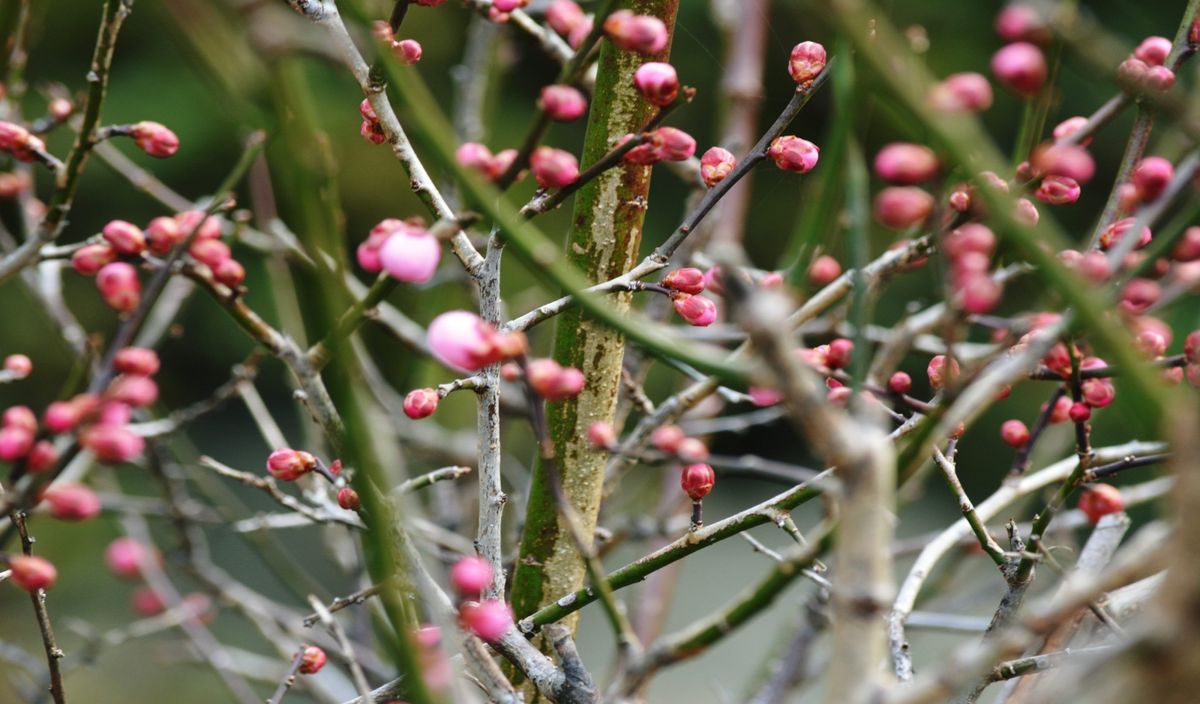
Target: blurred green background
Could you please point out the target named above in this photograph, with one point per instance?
(211, 70)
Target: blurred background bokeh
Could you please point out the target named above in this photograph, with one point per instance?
(212, 70)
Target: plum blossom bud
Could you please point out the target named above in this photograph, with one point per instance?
(407, 51)
(119, 286)
(420, 403)
(206, 227)
(470, 575)
(1021, 67)
(15, 443)
(715, 165)
(579, 33)
(18, 366)
(1070, 126)
(1014, 433)
(899, 383)
(41, 457)
(905, 163)
(1151, 176)
(348, 499)
(124, 557)
(657, 82)
(839, 353)
(462, 340)
(645, 154)
(978, 293)
(762, 398)
(971, 237)
(1026, 212)
(553, 168)
(125, 237)
(475, 156)
(1159, 78)
(1094, 267)
(1057, 190)
(806, 62)
(697, 481)
(1188, 247)
(1079, 413)
(1153, 50)
(146, 602)
(962, 92)
(1021, 22)
(667, 438)
(112, 443)
(155, 139)
(674, 144)
(31, 573)
(552, 381)
(641, 33)
(289, 465)
(823, 271)
(91, 258)
(1191, 347)
(1068, 160)
(794, 154)
(687, 280)
(72, 502)
(163, 233)
(1131, 73)
(601, 435)
(1115, 232)
(692, 450)
(562, 103)
(20, 417)
(1139, 294)
(410, 254)
(312, 659)
(136, 360)
(133, 390)
(696, 310)
(1098, 393)
(1099, 500)
(564, 15)
(940, 373)
(902, 207)
(210, 252)
(230, 272)
(489, 620)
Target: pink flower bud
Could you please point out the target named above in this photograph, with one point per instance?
(125, 237)
(146, 602)
(839, 353)
(641, 33)
(124, 557)
(941, 374)
(1079, 413)
(407, 51)
(1070, 126)
(1192, 371)
(823, 271)
(697, 481)
(687, 280)
(1115, 232)
(1139, 294)
(461, 340)
(1098, 393)
(31, 573)
(230, 272)
(411, 254)
(20, 417)
(1057, 190)
(1020, 22)
(1026, 212)
(695, 310)
(1187, 249)
(473, 155)
(372, 132)
(420, 403)
(163, 233)
(470, 575)
(60, 416)
(15, 442)
(562, 103)
(286, 464)
(348, 499)
(794, 154)
(1151, 177)
(657, 82)
(1159, 78)
(312, 660)
(899, 383)
(133, 390)
(1153, 50)
(41, 457)
(1151, 343)
(18, 366)
(1099, 500)
(112, 443)
(488, 620)
(563, 16)
(552, 381)
(971, 237)
(91, 258)
(206, 227)
(1072, 161)
(155, 139)
(763, 398)
(904, 163)
(367, 255)
(902, 207)
(210, 252)
(978, 293)
(715, 165)
(601, 435)
(806, 62)
(667, 438)
(962, 92)
(1021, 67)
(1094, 267)
(692, 450)
(579, 33)
(553, 168)
(1014, 433)
(645, 154)
(72, 502)
(674, 144)
(119, 286)
(1191, 347)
